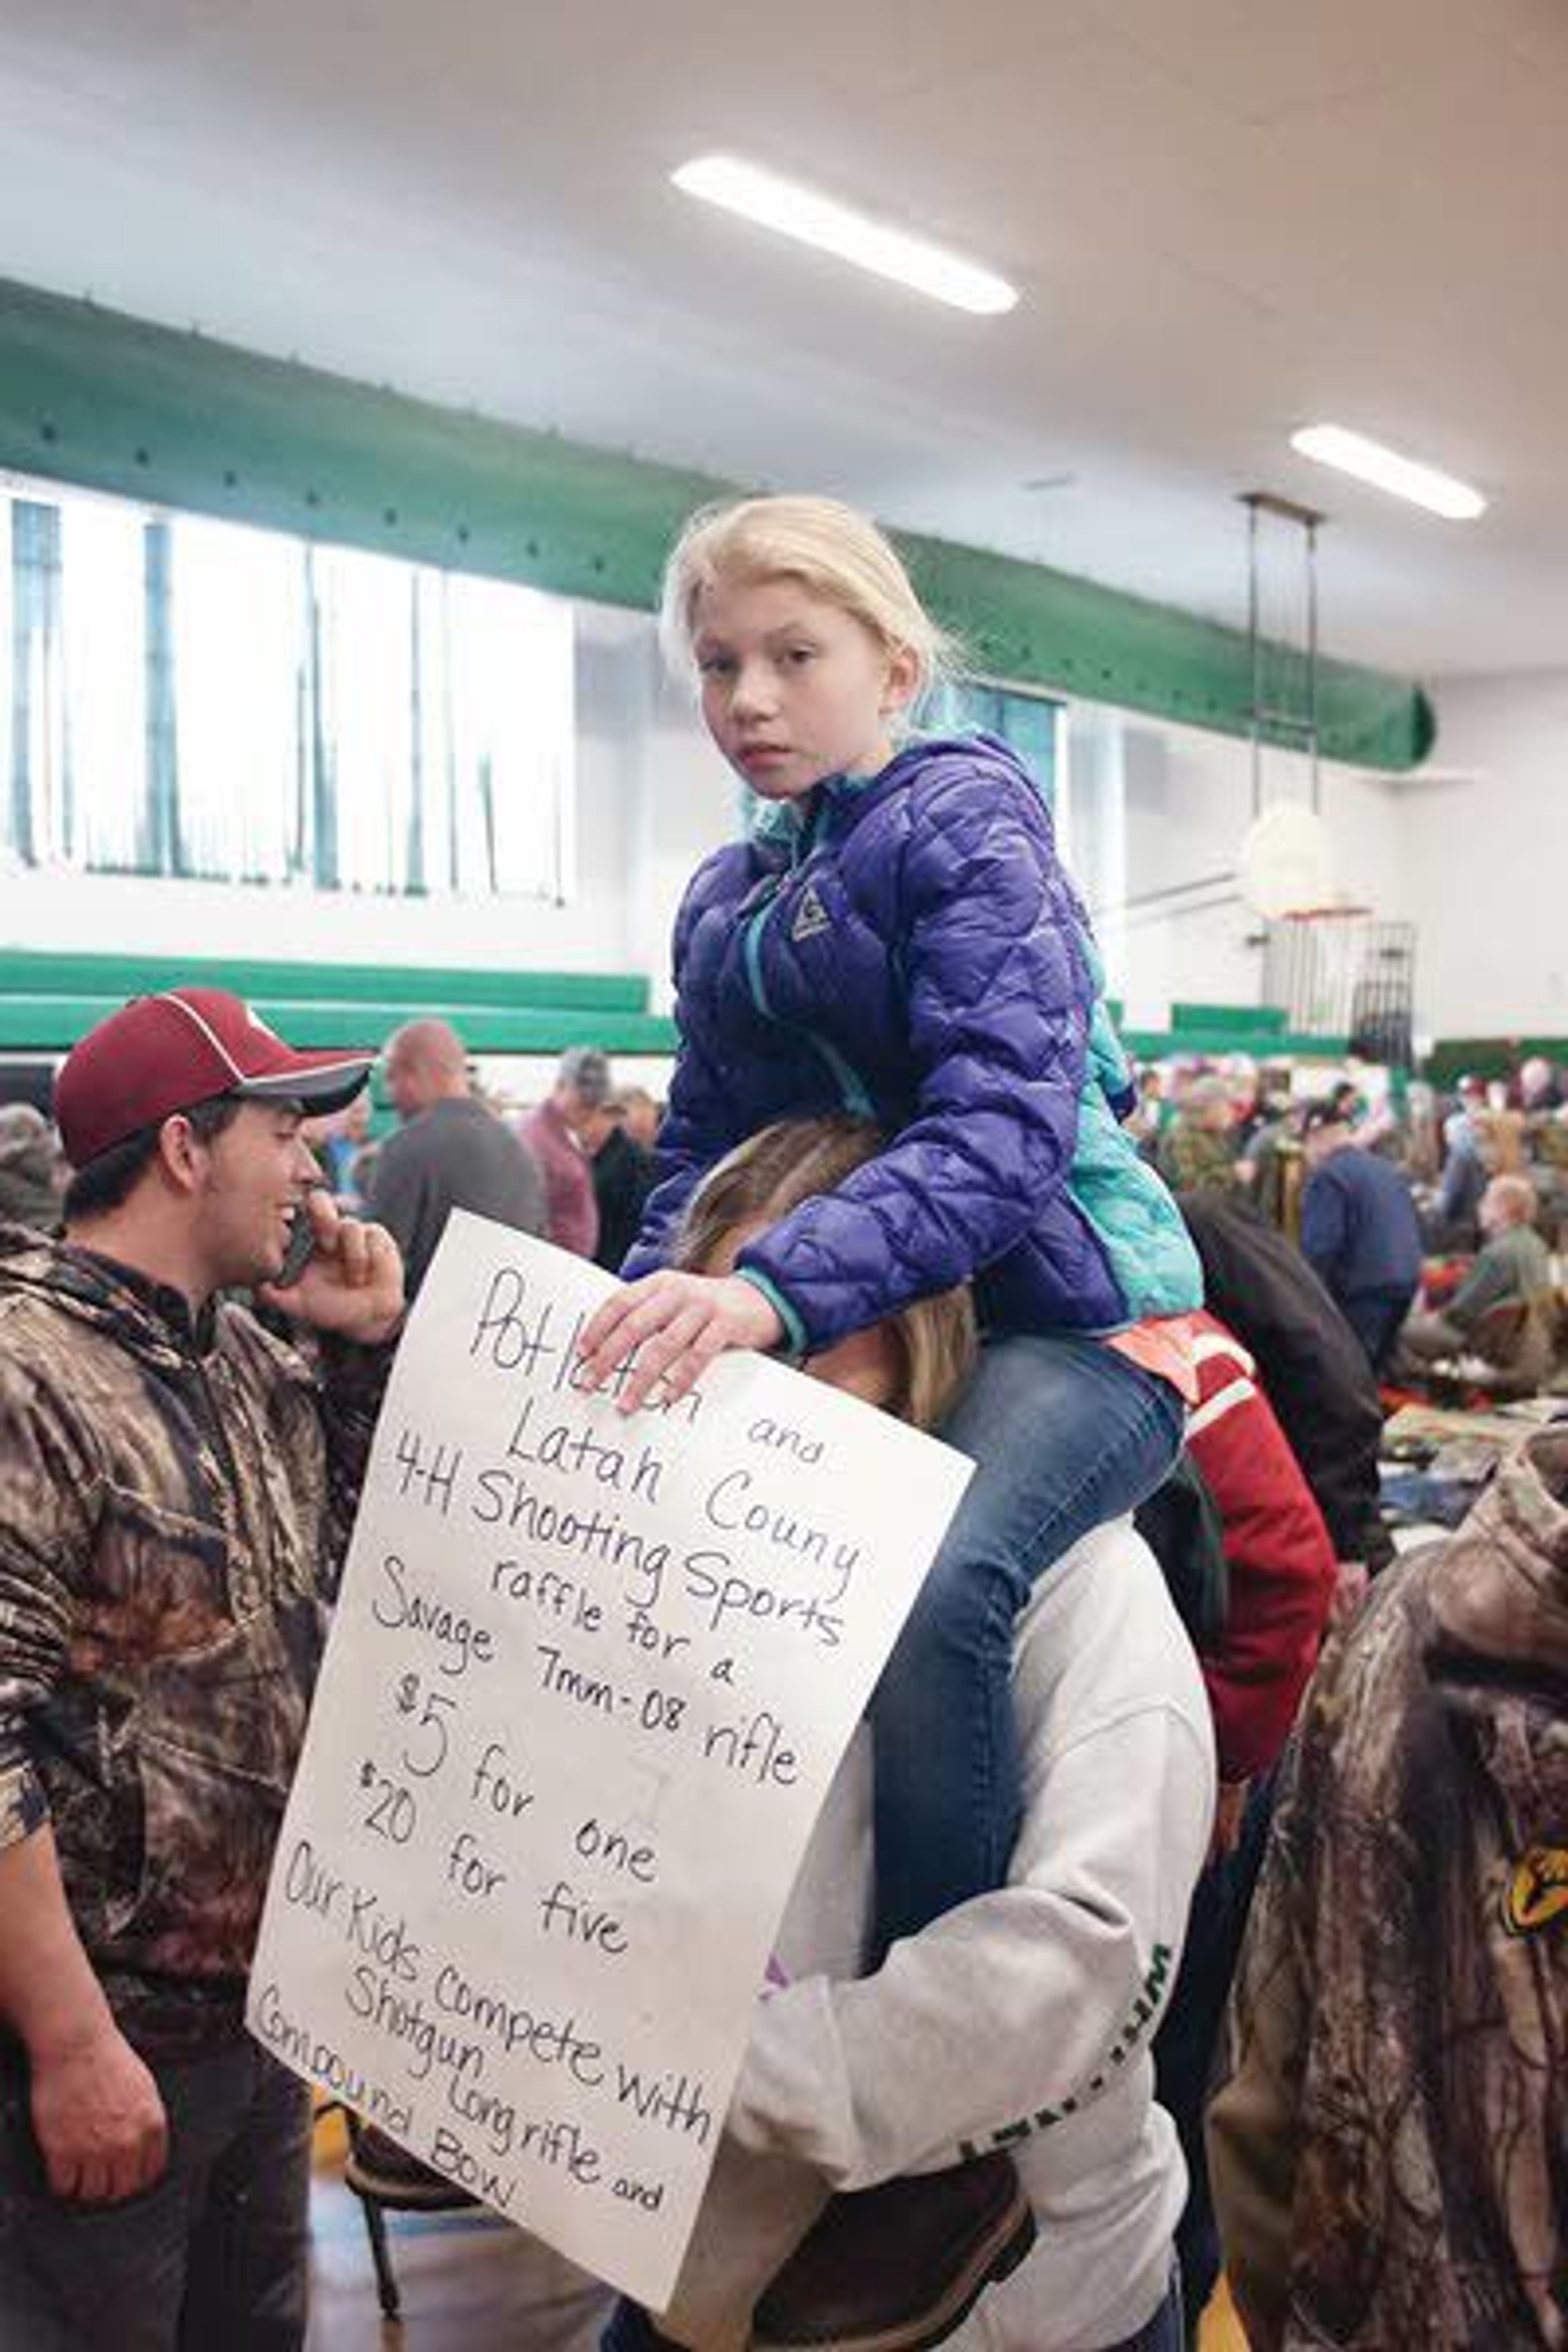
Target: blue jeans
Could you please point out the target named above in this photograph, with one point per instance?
(1376, 1315)
(629, 2329)
(213, 2258)
(1065, 1432)
(1189, 2033)
(1166, 2332)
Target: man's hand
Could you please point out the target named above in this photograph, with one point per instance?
(353, 1282)
(677, 1323)
(99, 2118)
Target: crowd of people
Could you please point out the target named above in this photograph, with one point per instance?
(1435, 1225)
(577, 1168)
(1176, 1781)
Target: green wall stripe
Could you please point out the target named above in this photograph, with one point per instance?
(92, 396)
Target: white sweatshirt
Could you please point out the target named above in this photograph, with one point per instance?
(1024, 2018)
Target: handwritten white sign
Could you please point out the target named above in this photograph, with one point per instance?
(588, 1680)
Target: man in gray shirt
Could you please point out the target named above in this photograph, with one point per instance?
(1513, 1269)
(451, 1153)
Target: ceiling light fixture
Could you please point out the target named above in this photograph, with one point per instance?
(1369, 461)
(815, 220)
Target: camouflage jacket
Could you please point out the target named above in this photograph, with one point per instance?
(1390, 2151)
(174, 1505)
(1190, 1158)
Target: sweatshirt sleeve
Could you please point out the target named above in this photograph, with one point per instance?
(324, 1421)
(1280, 1566)
(46, 1532)
(352, 1384)
(1024, 2003)
(1000, 994)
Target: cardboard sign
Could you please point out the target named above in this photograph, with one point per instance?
(588, 1680)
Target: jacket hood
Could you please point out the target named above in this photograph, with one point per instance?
(1499, 1588)
(138, 1313)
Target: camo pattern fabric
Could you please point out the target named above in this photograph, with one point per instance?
(1390, 2151)
(176, 1503)
(1190, 1158)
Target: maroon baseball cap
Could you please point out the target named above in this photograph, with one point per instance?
(161, 1053)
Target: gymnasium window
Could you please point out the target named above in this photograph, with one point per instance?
(185, 698)
(1031, 723)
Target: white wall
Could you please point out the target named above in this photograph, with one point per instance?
(207, 918)
(1473, 850)
(1485, 842)
(1152, 805)
(1476, 852)
(685, 801)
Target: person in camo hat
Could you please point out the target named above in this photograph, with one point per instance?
(177, 1493)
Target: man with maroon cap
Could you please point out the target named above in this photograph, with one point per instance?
(177, 1489)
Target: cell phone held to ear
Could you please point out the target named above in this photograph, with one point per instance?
(301, 1249)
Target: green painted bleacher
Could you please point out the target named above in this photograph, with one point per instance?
(1206, 1032)
(1488, 1057)
(49, 999)
(1232, 1020)
(1208, 1042)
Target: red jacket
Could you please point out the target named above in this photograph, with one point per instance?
(1277, 1550)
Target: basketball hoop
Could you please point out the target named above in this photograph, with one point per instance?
(1286, 866)
(1342, 972)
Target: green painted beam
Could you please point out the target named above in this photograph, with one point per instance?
(50, 972)
(91, 396)
(1021, 621)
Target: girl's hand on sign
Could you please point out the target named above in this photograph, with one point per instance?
(675, 1324)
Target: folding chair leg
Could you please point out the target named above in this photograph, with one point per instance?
(381, 2255)
(375, 2230)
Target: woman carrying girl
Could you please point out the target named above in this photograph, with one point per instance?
(1025, 2021)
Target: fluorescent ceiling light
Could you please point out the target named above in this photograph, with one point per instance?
(817, 220)
(1369, 461)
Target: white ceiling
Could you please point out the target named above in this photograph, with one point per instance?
(1229, 217)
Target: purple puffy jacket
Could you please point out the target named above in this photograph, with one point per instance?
(909, 947)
